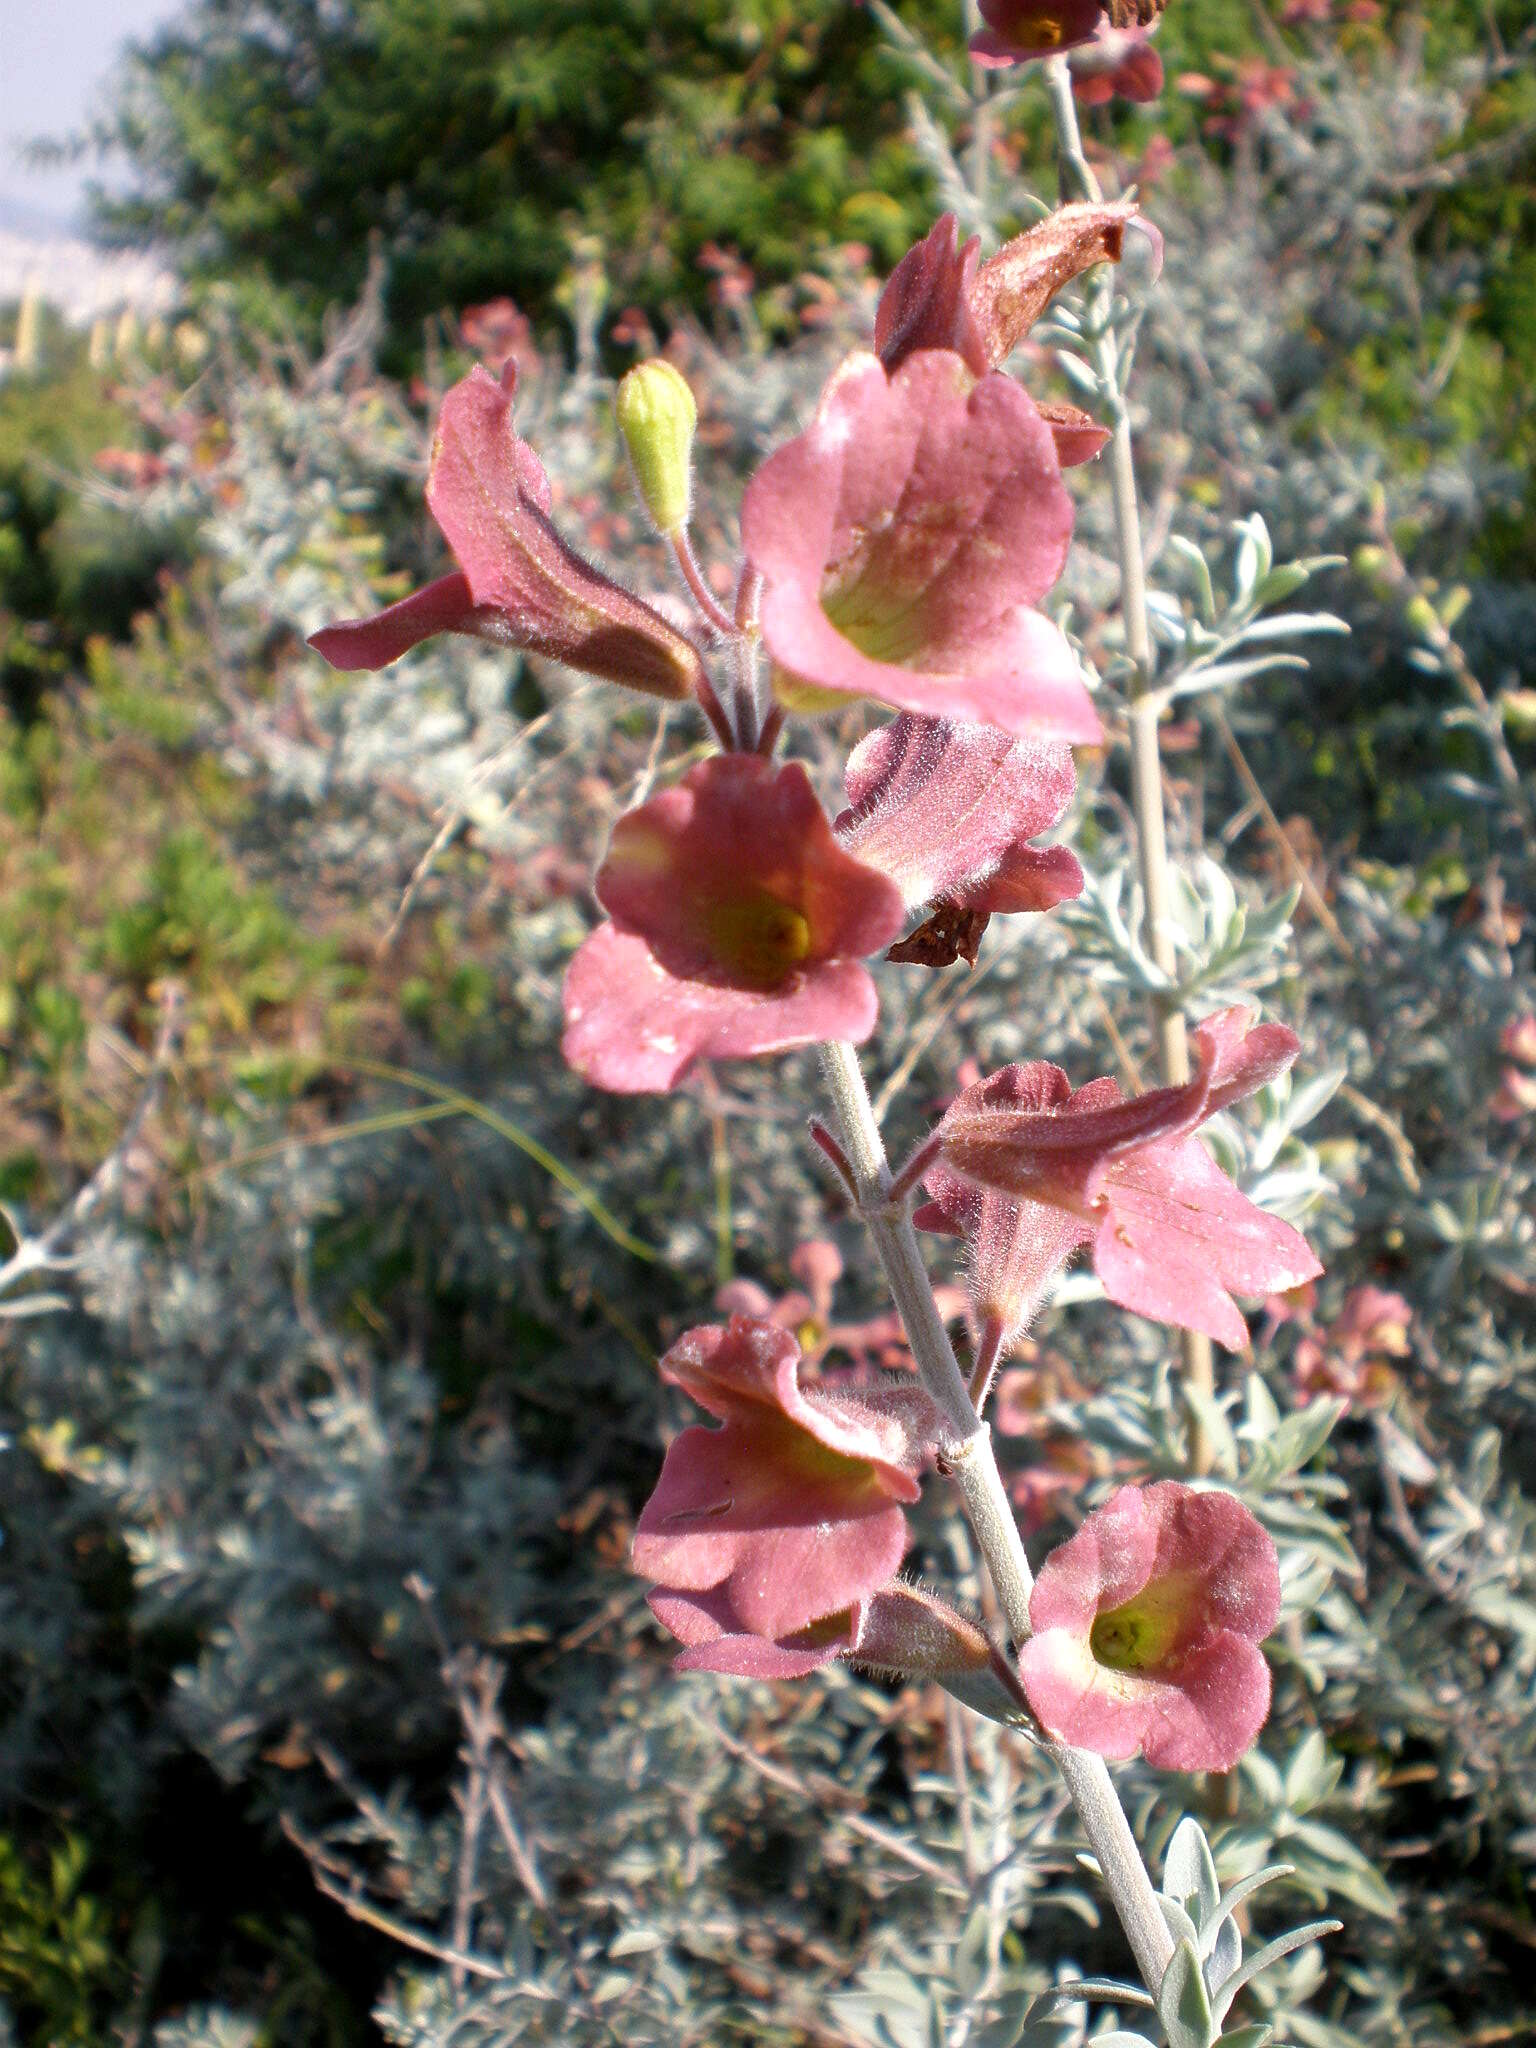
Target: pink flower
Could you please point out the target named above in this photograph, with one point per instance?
(1146, 1627)
(739, 928)
(1172, 1237)
(904, 540)
(940, 295)
(1018, 30)
(1348, 1356)
(792, 1511)
(518, 582)
(1117, 62)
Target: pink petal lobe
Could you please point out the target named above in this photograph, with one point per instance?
(944, 808)
(489, 495)
(716, 1640)
(1078, 1701)
(445, 606)
(1060, 1152)
(632, 1028)
(1106, 1563)
(1210, 1717)
(1178, 1239)
(1241, 1057)
(1028, 878)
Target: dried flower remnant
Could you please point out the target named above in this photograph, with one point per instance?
(1147, 1625)
(904, 540)
(739, 927)
(793, 1510)
(948, 811)
(1173, 1238)
(518, 582)
(940, 295)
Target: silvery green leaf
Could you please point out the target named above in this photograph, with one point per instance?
(1247, 1886)
(1212, 1418)
(1181, 1924)
(1312, 1529)
(1330, 1859)
(1308, 1097)
(1225, 675)
(1310, 1772)
(1285, 1945)
(1183, 2004)
(1205, 593)
(1253, 2036)
(1281, 583)
(1189, 1871)
(1255, 556)
(1084, 1991)
(1079, 373)
(1222, 1954)
(1263, 1416)
(1291, 625)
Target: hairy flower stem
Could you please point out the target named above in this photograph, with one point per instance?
(1199, 1375)
(969, 1458)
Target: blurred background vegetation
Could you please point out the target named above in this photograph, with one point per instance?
(378, 1291)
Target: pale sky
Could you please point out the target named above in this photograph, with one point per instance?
(54, 59)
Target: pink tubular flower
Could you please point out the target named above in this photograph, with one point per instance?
(1147, 1625)
(904, 540)
(1173, 1238)
(947, 810)
(1348, 1357)
(791, 1512)
(518, 582)
(739, 927)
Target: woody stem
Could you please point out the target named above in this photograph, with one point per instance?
(1199, 1377)
(969, 1456)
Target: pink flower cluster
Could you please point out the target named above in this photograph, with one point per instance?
(899, 550)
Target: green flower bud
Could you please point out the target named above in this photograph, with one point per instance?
(657, 417)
